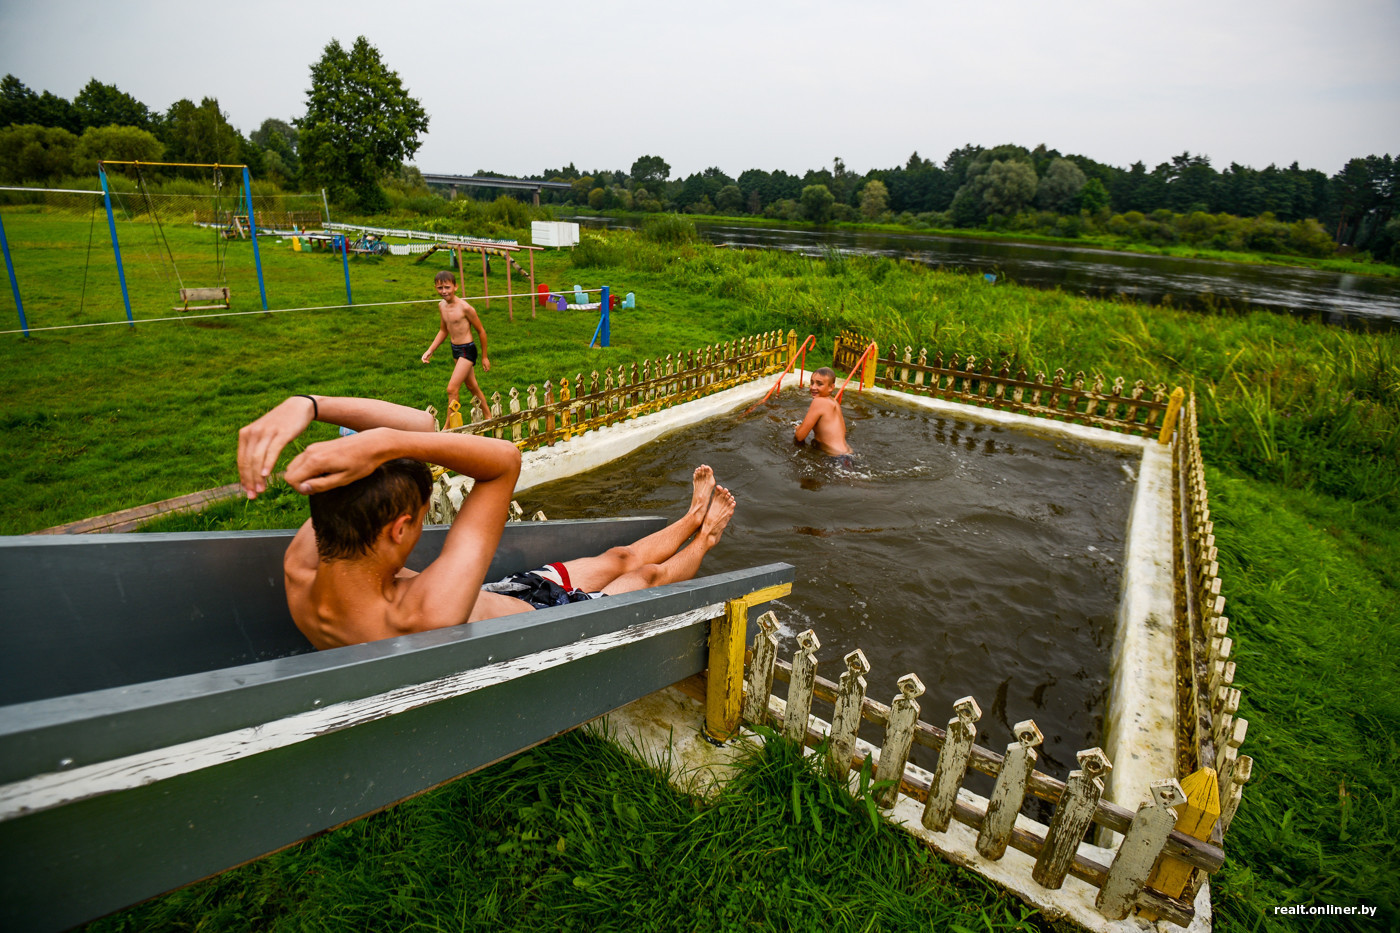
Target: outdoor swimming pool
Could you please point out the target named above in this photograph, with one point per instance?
(985, 559)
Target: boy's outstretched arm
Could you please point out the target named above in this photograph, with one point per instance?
(437, 342)
(261, 442)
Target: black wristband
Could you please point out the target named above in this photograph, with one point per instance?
(315, 409)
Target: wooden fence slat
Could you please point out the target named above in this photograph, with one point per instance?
(799, 698)
(899, 738)
(845, 718)
(1108, 815)
(1244, 767)
(1196, 819)
(1072, 818)
(1139, 849)
(952, 764)
(1010, 790)
(758, 683)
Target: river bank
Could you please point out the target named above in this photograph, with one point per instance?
(1110, 244)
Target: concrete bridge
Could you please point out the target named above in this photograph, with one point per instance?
(456, 181)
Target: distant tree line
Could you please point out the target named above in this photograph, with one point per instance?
(361, 126)
(1012, 188)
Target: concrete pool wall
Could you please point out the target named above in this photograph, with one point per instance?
(1139, 728)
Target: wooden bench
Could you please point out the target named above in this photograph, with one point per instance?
(203, 294)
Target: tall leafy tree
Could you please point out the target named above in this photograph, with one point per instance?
(200, 134)
(101, 104)
(360, 122)
(650, 171)
(18, 102)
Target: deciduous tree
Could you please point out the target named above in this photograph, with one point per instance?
(816, 203)
(360, 122)
(200, 134)
(874, 199)
(101, 104)
(650, 171)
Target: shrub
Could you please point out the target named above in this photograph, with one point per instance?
(671, 229)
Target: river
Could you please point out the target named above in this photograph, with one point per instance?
(1202, 284)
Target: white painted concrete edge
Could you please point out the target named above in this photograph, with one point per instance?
(1140, 725)
(663, 731)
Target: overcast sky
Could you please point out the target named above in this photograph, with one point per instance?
(527, 86)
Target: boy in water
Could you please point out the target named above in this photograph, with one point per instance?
(458, 321)
(824, 419)
(344, 570)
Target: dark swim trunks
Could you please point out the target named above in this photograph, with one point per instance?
(845, 461)
(543, 588)
(466, 351)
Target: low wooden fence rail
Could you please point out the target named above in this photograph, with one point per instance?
(1153, 834)
(558, 412)
(1213, 732)
(1133, 409)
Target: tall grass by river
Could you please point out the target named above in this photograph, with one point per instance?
(1300, 433)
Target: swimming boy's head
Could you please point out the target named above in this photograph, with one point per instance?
(445, 282)
(823, 381)
(349, 519)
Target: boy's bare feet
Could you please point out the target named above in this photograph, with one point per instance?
(717, 518)
(704, 482)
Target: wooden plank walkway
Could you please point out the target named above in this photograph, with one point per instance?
(133, 518)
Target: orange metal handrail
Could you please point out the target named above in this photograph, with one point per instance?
(807, 344)
(871, 351)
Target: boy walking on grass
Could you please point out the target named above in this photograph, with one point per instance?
(458, 321)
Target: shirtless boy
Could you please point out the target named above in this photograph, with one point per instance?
(344, 570)
(459, 319)
(824, 418)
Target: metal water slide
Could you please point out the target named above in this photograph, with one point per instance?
(162, 720)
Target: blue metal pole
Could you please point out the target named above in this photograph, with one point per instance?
(607, 320)
(253, 229)
(14, 283)
(116, 248)
(345, 264)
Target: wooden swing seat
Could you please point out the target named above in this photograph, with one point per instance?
(187, 295)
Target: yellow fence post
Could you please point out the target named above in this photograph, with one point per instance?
(1196, 818)
(1169, 422)
(867, 375)
(724, 682)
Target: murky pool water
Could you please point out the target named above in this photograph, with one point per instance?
(984, 559)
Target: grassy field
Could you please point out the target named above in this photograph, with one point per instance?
(1300, 425)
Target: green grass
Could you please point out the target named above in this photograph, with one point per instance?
(1299, 426)
(579, 836)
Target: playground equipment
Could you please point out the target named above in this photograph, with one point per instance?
(166, 720)
(247, 197)
(487, 249)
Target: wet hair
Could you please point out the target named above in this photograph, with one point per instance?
(826, 371)
(445, 275)
(349, 518)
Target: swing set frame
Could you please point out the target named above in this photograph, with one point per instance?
(116, 247)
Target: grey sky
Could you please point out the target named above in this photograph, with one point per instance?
(522, 87)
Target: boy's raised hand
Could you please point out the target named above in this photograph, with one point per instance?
(328, 464)
(260, 443)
